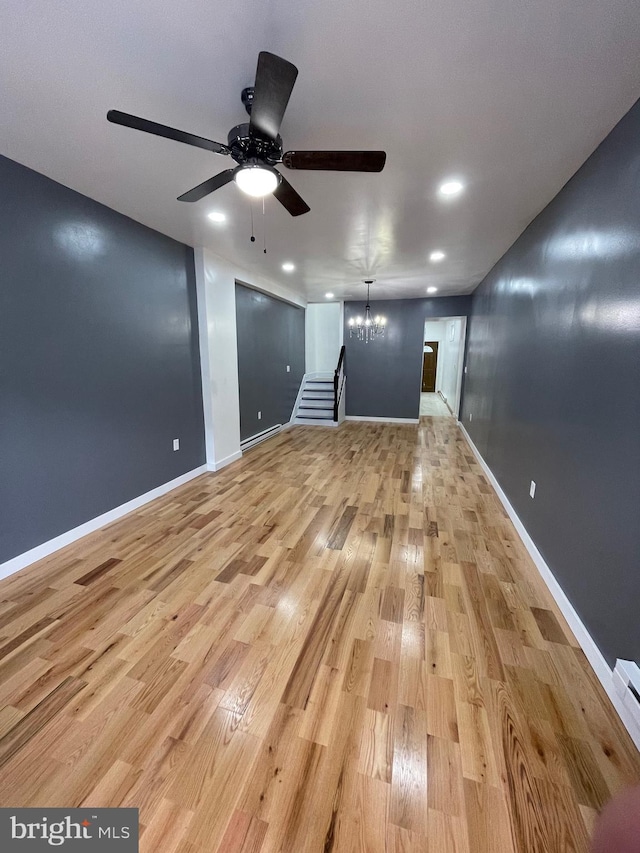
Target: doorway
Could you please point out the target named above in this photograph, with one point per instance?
(429, 366)
(442, 366)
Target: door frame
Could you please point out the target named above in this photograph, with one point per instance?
(461, 354)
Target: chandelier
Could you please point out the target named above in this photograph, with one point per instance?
(367, 328)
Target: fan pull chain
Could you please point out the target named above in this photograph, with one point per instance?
(264, 228)
(253, 239)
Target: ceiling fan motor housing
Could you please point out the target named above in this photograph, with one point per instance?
(247, 148)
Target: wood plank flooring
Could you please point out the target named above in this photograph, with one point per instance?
(337, 643)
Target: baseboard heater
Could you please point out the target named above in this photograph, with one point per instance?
(626, 677)
(260, 436)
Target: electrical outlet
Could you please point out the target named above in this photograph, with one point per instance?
(470, 416)
(532, 490)
(288, 368)
(176, 444)
(259, 416)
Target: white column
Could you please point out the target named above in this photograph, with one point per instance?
(216, 292)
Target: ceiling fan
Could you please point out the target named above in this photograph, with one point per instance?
(256, 146)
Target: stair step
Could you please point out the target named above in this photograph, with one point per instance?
(317, 395)
(309, 416)
(321, 422)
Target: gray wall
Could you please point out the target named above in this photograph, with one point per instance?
(99, 364)
(554, 386)
(270, 337)
(384, 376)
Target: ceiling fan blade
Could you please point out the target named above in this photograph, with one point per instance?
(289, 198)
(274, 83)
(208, 186)
(336, 161)
(137, 123)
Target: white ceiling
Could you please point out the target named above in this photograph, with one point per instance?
(512, 95)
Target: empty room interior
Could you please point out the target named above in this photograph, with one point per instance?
(319, 447)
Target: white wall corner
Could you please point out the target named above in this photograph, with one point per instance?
(205, 358)
(216, 293)
(222, 463)
(593, 654)
(323, 336)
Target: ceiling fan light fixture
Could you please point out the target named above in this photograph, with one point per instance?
(256, 180)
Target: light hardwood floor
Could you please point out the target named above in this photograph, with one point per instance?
(338, 643)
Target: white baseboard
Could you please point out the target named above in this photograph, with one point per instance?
(41, 551)
(222, 463)
(383, 420)
(446, 402)
(588, 644)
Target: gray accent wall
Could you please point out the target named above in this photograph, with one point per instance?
(554, 386)
(99, 360)
(384, 377)
(270, 337)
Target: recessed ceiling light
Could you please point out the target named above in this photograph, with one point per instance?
(329, 295)
(451, 188)
(288, 266)
(215, 216)
(432, 290)
(437, 256)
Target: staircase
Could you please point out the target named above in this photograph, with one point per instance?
(315, 401)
